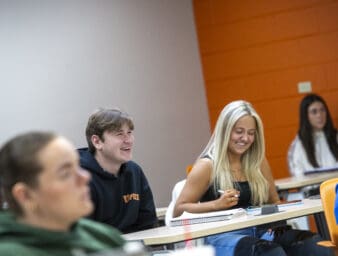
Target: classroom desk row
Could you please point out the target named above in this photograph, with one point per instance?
(283, 185)
(168, 235)
(306, 180)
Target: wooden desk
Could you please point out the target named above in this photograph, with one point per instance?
(299, 182)
(168, 235)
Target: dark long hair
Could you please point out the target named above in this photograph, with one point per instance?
(305, 132)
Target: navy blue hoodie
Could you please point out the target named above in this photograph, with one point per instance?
(124, 201)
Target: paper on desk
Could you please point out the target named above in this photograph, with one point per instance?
(194, 218)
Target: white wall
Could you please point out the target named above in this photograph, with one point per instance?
(60, 60)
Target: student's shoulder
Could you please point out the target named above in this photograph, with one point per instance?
(102, 230)
(132, 166)
(82, 151)
(13, 248)
(202, 169)
(85, 156)
(296, 144)
(203, 164)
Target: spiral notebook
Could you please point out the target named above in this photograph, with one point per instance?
(188, 218)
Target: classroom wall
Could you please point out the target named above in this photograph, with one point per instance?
(60, 60)
(259, 51)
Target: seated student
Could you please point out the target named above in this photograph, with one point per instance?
(47, 194)
(119, 188)
(234, 162)
(314, 146)
(316, 143)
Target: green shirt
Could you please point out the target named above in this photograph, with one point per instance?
(85, 237)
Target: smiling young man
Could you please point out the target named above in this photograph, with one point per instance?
(119, 189)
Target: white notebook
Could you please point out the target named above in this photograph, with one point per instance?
(188, 218)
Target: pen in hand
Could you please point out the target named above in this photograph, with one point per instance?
(222, 192)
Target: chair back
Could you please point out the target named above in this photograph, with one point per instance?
(328, 196)
(174, 195)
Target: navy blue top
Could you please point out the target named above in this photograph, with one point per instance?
(124, 201)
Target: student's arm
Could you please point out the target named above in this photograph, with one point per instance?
(266, 171)
(196, 185)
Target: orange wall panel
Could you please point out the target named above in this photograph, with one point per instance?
(234, 10)
(277, 113)
(301, 22)
(242, 34)
(327, 17)
(279, 167)
(281, 137)
(319, 48)
(331, 72)
(203, 13)
(288, 79)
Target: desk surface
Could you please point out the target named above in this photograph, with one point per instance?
(298, 182)
(167, 235)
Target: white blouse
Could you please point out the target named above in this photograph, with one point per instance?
(297, 159)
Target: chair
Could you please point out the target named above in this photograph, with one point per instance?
(170, 210)
(174, 195)
(328, 196)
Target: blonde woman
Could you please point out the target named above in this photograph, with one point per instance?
(234, 162)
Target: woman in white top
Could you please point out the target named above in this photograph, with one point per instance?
(316, 142)
(315, 146)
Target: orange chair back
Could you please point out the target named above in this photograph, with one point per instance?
(328, 195)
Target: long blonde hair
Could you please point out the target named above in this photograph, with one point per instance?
(217, 150)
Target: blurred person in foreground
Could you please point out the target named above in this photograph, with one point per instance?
(47, 194)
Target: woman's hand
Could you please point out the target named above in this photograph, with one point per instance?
(228, 198)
